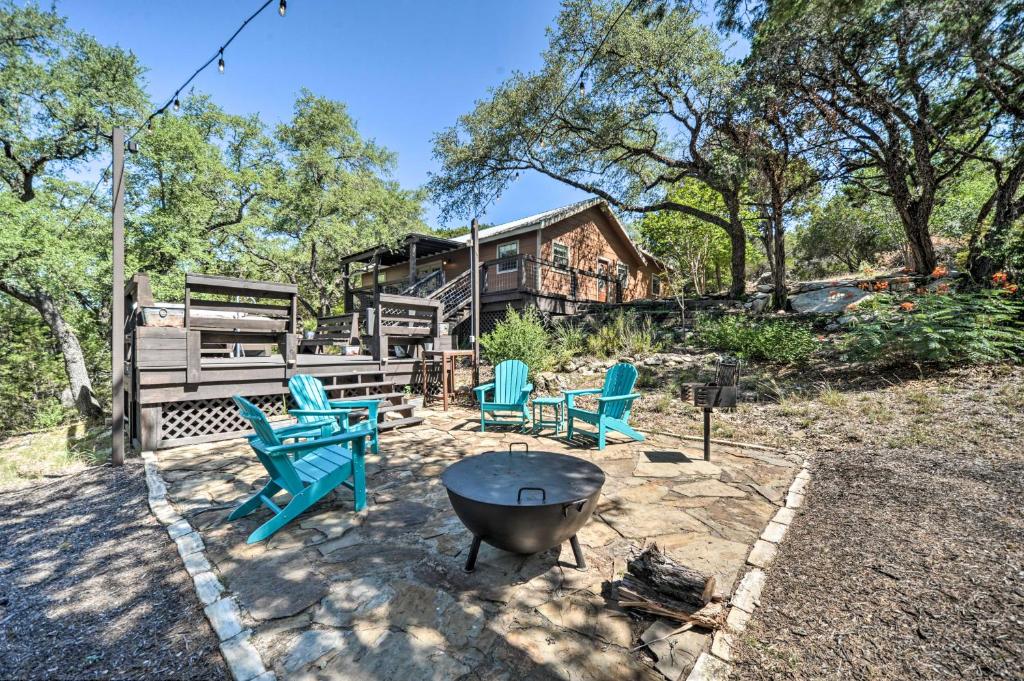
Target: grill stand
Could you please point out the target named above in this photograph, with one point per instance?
(707, 433)
(474, 549)
(721, 393)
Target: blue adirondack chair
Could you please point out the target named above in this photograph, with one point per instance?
(313, 405)
(612, 406)
(509, 393)
(302, 462)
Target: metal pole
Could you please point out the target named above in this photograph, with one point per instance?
(707, 434)
(474, 265)
(117, 302)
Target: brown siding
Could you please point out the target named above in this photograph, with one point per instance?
(590, 237)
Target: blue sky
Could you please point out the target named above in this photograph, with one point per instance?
(405, 69)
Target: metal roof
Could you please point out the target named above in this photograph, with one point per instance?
(550, 217)
(426, 246)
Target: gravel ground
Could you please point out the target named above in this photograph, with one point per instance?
(91, 586)
(908, 559)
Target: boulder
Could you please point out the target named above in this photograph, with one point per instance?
(827, 300)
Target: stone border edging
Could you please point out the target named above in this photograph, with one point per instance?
(714, 665)
(222, 611)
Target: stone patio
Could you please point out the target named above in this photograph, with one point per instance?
(382, 595)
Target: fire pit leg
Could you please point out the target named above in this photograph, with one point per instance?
(707, 434)
(471, 559)
(577, 553)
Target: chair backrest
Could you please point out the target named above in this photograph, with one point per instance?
(257, 419)
(619, 380)
(509, 381)
(308, 393)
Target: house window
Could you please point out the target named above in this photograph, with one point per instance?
(560, 255)
(382, 277)
(602, 274)
(506, 256)
(655, 285)
(622, 274)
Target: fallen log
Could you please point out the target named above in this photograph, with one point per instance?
(659, 578)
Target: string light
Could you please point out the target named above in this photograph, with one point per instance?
(220, 62)
(583, 88)
(282, 7)
(177, 104)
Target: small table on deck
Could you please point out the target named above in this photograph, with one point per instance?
(557, 404)
(447, 386)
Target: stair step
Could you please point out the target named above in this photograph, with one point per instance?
(354, 386)
(379, 396)
(399, 423)
(394, 408)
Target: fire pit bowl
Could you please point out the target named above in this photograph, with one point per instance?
(523, 501)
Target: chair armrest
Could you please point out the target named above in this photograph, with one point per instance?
(570, 395)
(353, 404)
(618, 398)
(481, 391)
(371, 406)
(320, 412)
(302, 429)
(528, 388)
(306, 445)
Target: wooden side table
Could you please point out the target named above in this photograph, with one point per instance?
(447, 379)
(557, 404)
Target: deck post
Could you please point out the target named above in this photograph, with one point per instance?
(380, 344)
(117, 302)
(474, 265)
(346, 295)
(412, 261)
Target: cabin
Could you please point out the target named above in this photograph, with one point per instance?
(562, 261)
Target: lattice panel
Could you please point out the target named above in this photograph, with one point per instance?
(198, 418)
(488, 320)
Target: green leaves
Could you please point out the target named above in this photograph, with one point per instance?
(519, 336)
(57, 86)
(642, 126)
(769, 340)
(977, 328)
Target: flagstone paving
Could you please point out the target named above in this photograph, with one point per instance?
(382, 595)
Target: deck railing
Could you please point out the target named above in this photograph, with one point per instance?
(526, 273)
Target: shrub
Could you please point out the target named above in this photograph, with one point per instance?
(624, 334)
(569, 339)
(934, 328)
(519, 336)
(772, 340)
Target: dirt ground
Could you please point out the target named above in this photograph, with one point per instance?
(907, 559)
(91, 586)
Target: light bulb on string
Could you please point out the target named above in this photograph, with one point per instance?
(177, 105)
(583, 88)
(220, 62)
(282, 7)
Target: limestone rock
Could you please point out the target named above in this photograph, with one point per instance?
(827, 300)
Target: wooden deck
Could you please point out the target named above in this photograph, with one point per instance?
(171, 406)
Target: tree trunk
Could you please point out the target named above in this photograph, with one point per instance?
(738, 241)
(778, 239)
(921, 249)
(74, 359)
(987, 251)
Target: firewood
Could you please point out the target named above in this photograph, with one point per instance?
(653, 571)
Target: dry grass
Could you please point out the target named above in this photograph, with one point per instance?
(50, 453)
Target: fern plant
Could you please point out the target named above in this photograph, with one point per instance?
(977, 328)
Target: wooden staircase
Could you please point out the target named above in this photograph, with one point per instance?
(455, 297)
(394, 411)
